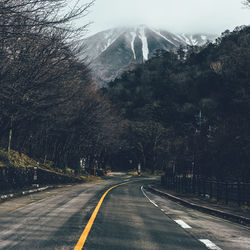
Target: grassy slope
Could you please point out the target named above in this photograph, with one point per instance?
(21, 160)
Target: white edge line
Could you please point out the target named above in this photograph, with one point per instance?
(182, 224)
(209, 244)
(2, 197)
(147, 197)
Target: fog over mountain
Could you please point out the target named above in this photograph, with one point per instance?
(113, 51)
(192, 16)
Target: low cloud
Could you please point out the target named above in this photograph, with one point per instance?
(189, 16)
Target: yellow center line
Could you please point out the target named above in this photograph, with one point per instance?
(86, 231)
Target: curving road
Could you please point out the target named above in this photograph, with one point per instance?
(128, 220)
(130, 217)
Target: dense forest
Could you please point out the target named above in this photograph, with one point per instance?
(49, 108)
(188, 111)
(185, 111)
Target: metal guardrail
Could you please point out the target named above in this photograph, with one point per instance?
(20, 177)
(236, 192)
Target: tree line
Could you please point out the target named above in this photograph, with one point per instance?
(187, 112)
(49, 107)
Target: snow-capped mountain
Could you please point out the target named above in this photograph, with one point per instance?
(113, 51)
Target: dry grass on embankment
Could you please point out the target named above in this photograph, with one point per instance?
(145, 173)
(15, 159)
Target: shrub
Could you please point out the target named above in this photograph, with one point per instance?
(4, 157)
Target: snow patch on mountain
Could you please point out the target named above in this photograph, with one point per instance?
(145, 50)
(186, 39)
(176, 39)
(180, 37)
(113, 51)
(204, 38)
(159, 34)
(194, 41)
(133, 34)
(109, 42)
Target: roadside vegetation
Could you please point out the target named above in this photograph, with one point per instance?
(49, 108)
(185, 112)
(19, 171)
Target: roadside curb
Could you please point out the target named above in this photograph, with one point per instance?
(228, 216)
(23, 193)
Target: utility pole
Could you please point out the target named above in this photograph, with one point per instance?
(199, 120)
(10, 134)
(197, 132)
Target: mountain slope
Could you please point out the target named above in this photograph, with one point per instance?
(113, 51)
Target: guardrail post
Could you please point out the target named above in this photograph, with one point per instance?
(244, 198)
(226, 192)
(193, 185)
(248, 194)
(239, 193)
(211, 189)
(199, 186)
(204, 187)
(217, 191)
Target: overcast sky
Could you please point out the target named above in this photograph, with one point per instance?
(189, 16)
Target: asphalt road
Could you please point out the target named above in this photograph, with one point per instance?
(130, 217)
(53, 219)
(128, 220)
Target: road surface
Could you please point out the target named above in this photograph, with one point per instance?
(130, 217)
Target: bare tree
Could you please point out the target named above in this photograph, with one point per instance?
(36, 60)
(40, 13)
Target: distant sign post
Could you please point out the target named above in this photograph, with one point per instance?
(35, 174)
(95, 167)
(139, 169)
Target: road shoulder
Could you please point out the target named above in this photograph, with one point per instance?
(205, 207)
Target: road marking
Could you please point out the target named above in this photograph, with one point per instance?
(86, 231)
(182, 224)
(148, 198)
(209, 244)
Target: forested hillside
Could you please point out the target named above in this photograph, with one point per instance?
(189, 111)
(185, 111)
